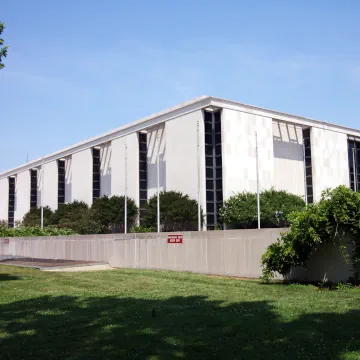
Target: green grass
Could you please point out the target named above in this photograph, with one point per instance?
(108, 315)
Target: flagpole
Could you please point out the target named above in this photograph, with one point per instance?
(125, 204)
(42, 195)
(198, 177)
(158, 182)
(257, 180)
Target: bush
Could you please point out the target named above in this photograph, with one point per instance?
(78, 217)
(142, 229)
(240, 210)
(177, 212)
(33, 217)
(3, 224)
(110, 213)
(335, 218)
(34, 231)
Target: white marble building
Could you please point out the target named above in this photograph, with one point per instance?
(206, 141)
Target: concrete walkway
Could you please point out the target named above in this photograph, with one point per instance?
(82, 268)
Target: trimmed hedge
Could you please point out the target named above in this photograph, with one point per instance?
(23, 231)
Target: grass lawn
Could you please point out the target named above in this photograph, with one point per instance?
(108, 315)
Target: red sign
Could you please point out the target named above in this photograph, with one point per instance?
(6, 241)
(175, 239)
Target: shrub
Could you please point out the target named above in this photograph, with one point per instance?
(240, 210)
(76, 216)
(3, 224)
(177, 212)
(33, 217)
(110, 213)
(142, 229)
(335, 218)
(34, 231)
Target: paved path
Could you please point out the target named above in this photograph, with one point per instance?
(83, 268)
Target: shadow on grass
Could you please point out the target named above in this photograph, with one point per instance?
(5, 277)
(184, 328)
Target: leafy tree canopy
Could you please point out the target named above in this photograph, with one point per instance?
(3, 49)
(76, 216)
(240, 210)
(178, 212)
(110, 213)
(33, 217)
(334, 219)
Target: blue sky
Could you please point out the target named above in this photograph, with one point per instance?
(77, 68)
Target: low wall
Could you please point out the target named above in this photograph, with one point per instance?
(229, 252)
(327, 264)
(86, 247)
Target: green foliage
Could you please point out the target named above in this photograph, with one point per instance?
(4, 49)
(142, 229)
(77, 216)
(334, 219)
(34, 231)
(240, 210)
(33, 217)
(3, 224)
(177, 212)
(110, 213)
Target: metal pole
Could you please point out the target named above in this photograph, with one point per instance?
(354, 168)
(305, 184)
(198, 177)
(257, 180)
(125, 204)
(158, 183)
(42, 195)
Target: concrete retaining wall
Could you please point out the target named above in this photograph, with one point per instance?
(231, 252)
(327, 264)
(87, 247)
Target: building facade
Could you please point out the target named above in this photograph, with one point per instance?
(205, 148)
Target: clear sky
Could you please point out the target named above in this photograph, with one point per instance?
(78, 68)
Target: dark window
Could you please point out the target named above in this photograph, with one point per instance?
(354, 168)
(213, 161)
(308, 166)
(96, 173)
(33, 188)
(142, 174)
(61, 182)
(11, 208)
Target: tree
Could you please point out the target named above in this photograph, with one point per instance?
(334, 219)
(33, 217)
(177, 212)
(76, 216)
(240, 210)
(4, 49)
(110, 213)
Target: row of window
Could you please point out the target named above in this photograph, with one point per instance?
(308, 166)
(354, 164)
(143, 175)
(213, 163)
